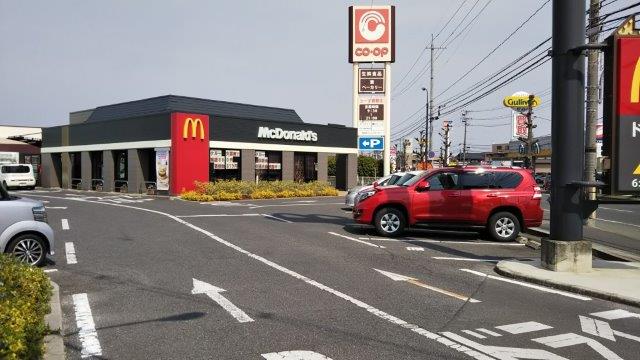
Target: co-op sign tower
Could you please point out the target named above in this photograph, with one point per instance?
(371, 51)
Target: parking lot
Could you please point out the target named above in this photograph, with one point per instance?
(146, 277)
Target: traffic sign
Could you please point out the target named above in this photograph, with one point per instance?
(431, 154)
(371, 143)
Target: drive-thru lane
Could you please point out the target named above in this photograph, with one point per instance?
(137, 269)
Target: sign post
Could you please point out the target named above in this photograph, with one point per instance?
(372, 40)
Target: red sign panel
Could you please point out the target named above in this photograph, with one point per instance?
(629, 76)
(371, 34)
(189, 151)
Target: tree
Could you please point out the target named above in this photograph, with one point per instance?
(331, 165)
(368, 166)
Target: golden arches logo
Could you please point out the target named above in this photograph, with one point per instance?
(194, 125)
(635, 84)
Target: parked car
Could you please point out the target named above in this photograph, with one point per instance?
(349, 199)
(394, 179)
(500, 201)
(17, 176)
(24, 231)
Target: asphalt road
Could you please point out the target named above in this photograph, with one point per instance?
(615, 225)
(298, 275)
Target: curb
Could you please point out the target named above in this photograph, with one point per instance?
(598, 250)
(569, 288)
(54, 346)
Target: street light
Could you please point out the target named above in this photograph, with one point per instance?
(426, 125)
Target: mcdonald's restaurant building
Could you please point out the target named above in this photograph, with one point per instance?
(165, 144)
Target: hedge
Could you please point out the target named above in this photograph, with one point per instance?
(24, 301)
(237, 190)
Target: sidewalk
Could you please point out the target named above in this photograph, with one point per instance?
(609, 280)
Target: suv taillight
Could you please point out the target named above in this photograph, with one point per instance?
(39, 213)
(537, 192)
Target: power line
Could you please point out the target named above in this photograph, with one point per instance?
(496, 48)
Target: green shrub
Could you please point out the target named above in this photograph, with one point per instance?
(368, 166)
(236, 190)
(24, 301)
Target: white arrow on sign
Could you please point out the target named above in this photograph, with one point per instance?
(414, 281)
(201, 287)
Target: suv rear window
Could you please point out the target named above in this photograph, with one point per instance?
(15, 169)
(507, 180)
(472, 180)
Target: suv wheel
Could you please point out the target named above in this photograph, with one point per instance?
(390, 222)
(28, 248)
(504, 226)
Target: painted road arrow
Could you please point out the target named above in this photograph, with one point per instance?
(414, 281)
(201, 287)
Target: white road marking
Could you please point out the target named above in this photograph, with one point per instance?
(537, 287)
(462, 259)
(56, 207)
(295, 355)
(50, 270)
(414, 281)
(201, 287)
(375, 311)
(65, 224)
(356, 240)
(216, 215)
(618, 222)
(505, 353)
(524, 327)
(45, 201)
(596, 327)
(571, 339)
(70, 252)
(616, 314)
(277, 218)
(440, 241)
(86, 327)
(492, 333)
(415, 248)
(612, 209)
(474, 334)
(294, 204)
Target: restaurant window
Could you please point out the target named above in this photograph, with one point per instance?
(224, 164)
(305, 167)
(268, 165)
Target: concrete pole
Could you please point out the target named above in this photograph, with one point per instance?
(592, 105)
(530, 127)
(566, 250)
(430, 96)
(387, 120)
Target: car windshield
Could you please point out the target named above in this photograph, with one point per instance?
(393, 179)
(414, 179)
(406, 177)
(15, 169)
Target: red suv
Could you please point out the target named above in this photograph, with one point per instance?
(502, 201)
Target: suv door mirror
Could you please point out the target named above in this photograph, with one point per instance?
(423, 185)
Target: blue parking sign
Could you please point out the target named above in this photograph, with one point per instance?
(371, 143)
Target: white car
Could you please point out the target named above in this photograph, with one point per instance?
(17, 176)
(349, 200)
(24, 231)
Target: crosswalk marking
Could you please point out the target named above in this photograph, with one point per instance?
(524, 327)
(415, 248)
(474, 334)
(489, 332)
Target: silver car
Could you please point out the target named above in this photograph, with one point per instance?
(349, 200)
(24, 231)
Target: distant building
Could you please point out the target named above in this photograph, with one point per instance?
(20, 144)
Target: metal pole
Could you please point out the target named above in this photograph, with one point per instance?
(387, 120)
(592, 104)
(567, 108)
(464, 142)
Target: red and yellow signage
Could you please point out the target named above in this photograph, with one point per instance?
(189, 151)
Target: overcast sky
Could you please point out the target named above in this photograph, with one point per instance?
(61, 56)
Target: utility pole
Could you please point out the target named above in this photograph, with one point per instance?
(406, 144)
(565, 250)
(447, 143)
(431, 93)
(592, 104)
(531, 158)
(465, 121)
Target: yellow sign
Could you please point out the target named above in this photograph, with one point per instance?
(194, 124)
(635, 84)
(520, 102)
(637, 170)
